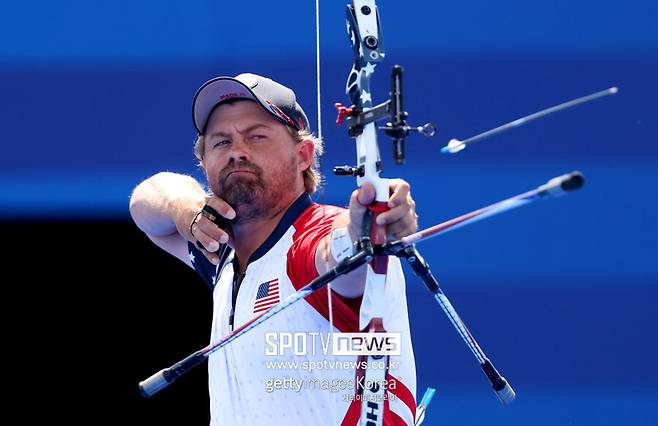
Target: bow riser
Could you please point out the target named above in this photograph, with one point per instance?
(365, 35)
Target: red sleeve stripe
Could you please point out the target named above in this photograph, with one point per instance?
(310, 228)
(390, 418)
(403, 394)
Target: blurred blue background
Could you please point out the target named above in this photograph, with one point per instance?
(96, 96)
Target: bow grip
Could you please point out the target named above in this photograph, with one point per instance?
(378, 235)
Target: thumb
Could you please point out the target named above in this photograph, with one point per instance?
(366, 194)
(358, 205)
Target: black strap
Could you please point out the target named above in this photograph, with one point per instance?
(213, 216)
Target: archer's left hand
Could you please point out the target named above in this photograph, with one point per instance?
(401, 220)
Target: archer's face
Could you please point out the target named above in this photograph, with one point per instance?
(251, 160)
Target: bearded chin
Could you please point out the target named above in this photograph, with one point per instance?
(246, 196)
(241, 192)
(251, 198)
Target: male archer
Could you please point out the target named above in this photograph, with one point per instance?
(255, 237)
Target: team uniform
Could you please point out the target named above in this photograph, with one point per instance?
(257, 380)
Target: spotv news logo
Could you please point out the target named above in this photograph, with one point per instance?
(340, 344)
(366, 344)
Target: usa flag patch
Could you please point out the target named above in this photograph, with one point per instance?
(267, 295)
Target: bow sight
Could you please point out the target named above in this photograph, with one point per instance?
(397, 128)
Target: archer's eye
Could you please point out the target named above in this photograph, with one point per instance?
(220, 143)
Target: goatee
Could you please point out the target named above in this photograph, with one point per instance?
(248, 193)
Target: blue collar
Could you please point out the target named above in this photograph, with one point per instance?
(294, 211)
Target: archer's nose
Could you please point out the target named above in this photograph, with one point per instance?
(238, 151)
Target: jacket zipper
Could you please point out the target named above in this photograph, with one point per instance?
(237, 280)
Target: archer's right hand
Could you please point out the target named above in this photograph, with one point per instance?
(196, 227)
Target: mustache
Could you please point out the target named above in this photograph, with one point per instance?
(243, 165)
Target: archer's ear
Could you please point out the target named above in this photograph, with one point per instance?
(305, 149)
